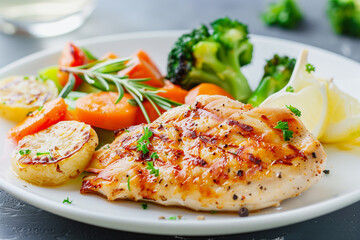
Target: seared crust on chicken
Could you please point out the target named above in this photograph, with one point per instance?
(217, 154)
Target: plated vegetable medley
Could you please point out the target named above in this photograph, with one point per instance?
(68, 115)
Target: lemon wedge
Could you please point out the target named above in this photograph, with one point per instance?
(343, 118)
(308, 93)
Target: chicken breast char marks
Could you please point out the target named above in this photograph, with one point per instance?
(217, 154)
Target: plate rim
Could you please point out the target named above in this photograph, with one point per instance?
(188, 227)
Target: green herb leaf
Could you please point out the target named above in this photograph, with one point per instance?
(213, 212)
(67, 200)
(68, 87)
(153, 170)
(40, 108)
(172, 218)
(289, 89)
(126, 130)
(310, 68)
(128, 184)
(44, 153)
(132, 102)
(296, 111)
(144, 141)
(25, 152)
(284, 126)
(144, 206)
(88, 54)
(154, 155)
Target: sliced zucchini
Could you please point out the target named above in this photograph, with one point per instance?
(20, 95)
(56, 154)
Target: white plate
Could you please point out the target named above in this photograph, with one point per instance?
(334, 191)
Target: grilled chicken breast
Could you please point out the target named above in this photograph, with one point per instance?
(217, 154)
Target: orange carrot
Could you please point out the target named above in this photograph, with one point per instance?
(205, 89)
(70, 115)
(100, 110)
(71, 56)
(171, 91)
(141, 66)
(51, 113)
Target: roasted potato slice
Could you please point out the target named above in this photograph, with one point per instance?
(20, 95)
(56, 154)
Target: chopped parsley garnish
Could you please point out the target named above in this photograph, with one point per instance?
(154, 155)
(40, 108)
(284, 126)
(128, 183)
(289, 89)
(67, 200)
(310, 68)
(172, 218)
(153, 170)
(144, 206)
(24, 152)
(126, 130)
(26, 77)
(190, 107)
(45, 153)
(213, 212)
(144, 141)
(296, 111)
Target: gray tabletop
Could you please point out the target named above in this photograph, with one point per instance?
(19, 220)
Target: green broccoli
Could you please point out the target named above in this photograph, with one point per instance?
(277, 73)
(213, 57)
(284, 13)
(344, 16)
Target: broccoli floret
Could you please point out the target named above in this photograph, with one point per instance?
(214, 57)
(277, 73)
(284, 13)
(344, 16)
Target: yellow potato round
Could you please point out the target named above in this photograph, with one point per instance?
(56, 154)
(20, 95)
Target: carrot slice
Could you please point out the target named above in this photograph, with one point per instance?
(52, 112)
(141, 66)
(171, 91)
(100, 110)
(71, 56)
(70, 115)
(205, 89)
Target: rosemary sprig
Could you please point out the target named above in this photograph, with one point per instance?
(103, 73)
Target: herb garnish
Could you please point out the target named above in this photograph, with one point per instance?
(284, 126)
(40, 108)
(289, 89)
(296, 111)
(144, 206)
(172, 218)
(24, 152)
(153, 170)
(103, 73)
(144, 141)
(44, 153)
(128, 183)
(310, 68)
(154, 155)
(67, 200)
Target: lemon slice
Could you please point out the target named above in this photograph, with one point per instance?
(344, 116)
(310, 96)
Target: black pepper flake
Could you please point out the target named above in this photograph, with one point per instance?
(240, 173)
(326, 171)
(225, 146)
(243, 212)
(235, 197)
(313, 154)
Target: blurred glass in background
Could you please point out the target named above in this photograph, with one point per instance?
(43, 18)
